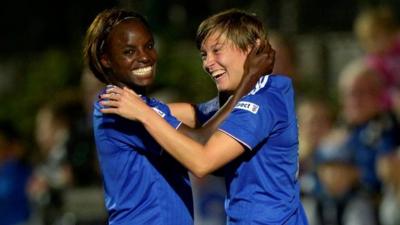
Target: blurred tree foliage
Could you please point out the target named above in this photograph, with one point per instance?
(38, 79)
(41, 43)
(179, 68)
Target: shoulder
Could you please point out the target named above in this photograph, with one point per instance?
(273, 82)
(163, 110)
(271, 88)
(280, 82)
(208, 106)
(96, 103)
(273, 95)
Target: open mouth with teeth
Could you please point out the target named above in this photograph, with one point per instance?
(145, 71)
(216, 76)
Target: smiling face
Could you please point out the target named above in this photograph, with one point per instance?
(223, 61)
(130, 54)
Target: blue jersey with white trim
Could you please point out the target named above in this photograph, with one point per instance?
(262, 186)
(142, 184)
(205, 110)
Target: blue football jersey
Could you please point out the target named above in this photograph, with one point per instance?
(142, 184)
(204, 111)
(262, 185)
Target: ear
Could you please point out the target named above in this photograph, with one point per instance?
(105, 61)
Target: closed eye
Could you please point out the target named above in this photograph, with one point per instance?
(203, 55)
(216, 50)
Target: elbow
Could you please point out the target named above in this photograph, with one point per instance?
(200, 171)
(199, 174)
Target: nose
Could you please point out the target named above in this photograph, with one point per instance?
(208, 62)
(144, 56)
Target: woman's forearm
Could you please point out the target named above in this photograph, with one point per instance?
(187, 151)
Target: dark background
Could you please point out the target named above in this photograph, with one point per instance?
(41, 42)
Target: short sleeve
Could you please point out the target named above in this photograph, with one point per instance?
(163, 110)
(250, 122)
(205, 110)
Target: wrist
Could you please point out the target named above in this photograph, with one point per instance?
(146, 115)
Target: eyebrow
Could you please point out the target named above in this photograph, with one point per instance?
(219, 43)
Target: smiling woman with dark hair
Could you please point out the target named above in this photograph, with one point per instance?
(142, 185)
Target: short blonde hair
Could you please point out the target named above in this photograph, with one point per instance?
(240, 27)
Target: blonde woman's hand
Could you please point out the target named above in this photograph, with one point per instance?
(123, 102)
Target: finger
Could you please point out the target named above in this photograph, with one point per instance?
(130, 91)
(261, 46)
(268, 43)
(111, 96)
(253, 51)
(113, 104)
(110, 85)
(114, 89)
(267, 46)
(273, 53)
(109, 110)
(258, 42)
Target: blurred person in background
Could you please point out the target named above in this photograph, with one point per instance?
(377, 31)
(15, 173)
(373, 129)
(53, 173)
(120, 50)
(316, 119)
(208, 195)
(340, 199)
(388, 172)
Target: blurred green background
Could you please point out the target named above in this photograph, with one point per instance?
(41, 41)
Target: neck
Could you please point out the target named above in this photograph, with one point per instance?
(140, 90)
(223, 97)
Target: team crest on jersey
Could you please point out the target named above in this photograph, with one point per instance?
(161, 113)
(248, 106)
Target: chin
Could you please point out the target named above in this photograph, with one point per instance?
(144, 84)
(225, 90)
(144, 81)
